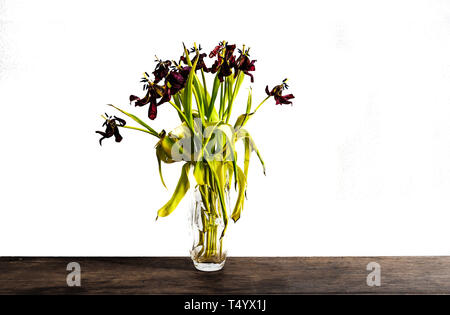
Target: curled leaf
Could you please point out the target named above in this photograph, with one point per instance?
(242, 183)
(241, 121)
(180, 191)
(218, 173)
(162, 156)
(249, 146)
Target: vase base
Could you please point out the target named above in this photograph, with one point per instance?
(208, 267)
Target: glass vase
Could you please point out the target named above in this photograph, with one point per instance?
(209, 250)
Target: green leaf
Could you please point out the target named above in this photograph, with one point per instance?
(172, 144)
(249, 147)
(230, 172)
(242, 182)
(229, 85)
(249, 101)
(186, 54)
(199, 101)
(222, 99)
(138, 120)
(247, 153)
(242, 119)
(200, 173)
(215, 91)
(160, 155)
(178, 107)
(237, 85)
(206, 99)
(228, 132)
(187, 102)
(217, 170)
(204, 191)
(180, 191)
(233, 154)
(135, 128)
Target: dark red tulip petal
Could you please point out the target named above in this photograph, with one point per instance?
(142, 101)
(224, 64)
(216, 65)
(252, 79)
(276, 93)
(200, 63)
(216, 51)
(185, 72)
(161, 70)
(103, 134)
(177, 79)
(112, 128)
(283, 99)
(152, 111)
(165, 98)
(245, 65)
(229, 50)
(117, 135)
(134, 98)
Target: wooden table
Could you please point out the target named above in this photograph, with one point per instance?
(241, 275)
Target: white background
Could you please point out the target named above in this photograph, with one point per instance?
(360, 165)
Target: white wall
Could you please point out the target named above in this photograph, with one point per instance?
(367, 172)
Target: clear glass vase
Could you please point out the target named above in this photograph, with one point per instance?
(209, 250)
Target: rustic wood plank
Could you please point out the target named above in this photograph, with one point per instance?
(241, 275)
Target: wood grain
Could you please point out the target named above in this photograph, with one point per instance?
(241, 275)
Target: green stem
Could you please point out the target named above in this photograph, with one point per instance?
(215, 90)
(178, 110)
(136, 128)
(205, 93)
(222, 99)
(261, 103)
(229, 85)
(200, 107)
(183, 115)
(237, 86)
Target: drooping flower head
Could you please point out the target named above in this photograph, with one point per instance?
(176, 80)
(112, 124)
(217, 50)
(244, 64)
(154, 92)
(229, 50)
(276, 92)
(200, 63)
(161, 70)
(225, 60)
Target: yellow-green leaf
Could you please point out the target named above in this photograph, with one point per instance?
(215, 90)
(229, 133)
(217, 171)
(241, 121)
(137, 119)
(187, 101)
(200, 173)
(249, 146)
(160, 156)
(242, 183)
(180, 191)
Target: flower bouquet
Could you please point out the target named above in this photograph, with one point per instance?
(205, 140)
